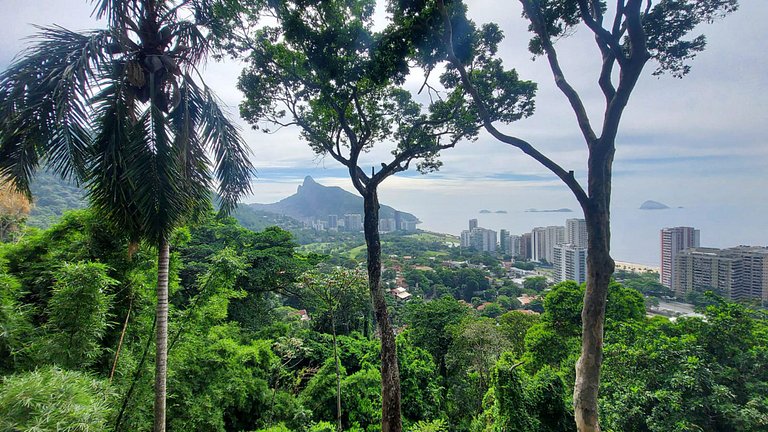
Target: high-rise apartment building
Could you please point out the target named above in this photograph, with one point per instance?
(333, 221)
(481, 239)
(488, 239)
(576, 232)
(466, 239)
(472, 224)
(526, 246)
(738, 273)
(704, 269)
(555, 236)
(673, 241)
(514, 246)
(570, 263)
(538, 243)
(503, 240)
(544, 240)
(353, 222)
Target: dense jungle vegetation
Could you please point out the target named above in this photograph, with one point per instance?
(77, 323)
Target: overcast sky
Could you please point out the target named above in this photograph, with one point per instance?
(690, 142)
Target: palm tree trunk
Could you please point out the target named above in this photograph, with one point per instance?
(390, 373)
(161, 349)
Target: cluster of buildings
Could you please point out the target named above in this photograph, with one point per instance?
(353, 222)
(565, 247)
(737, 273)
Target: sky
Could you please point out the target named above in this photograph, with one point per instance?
(698, 142)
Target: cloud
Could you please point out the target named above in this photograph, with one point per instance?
(698, 140)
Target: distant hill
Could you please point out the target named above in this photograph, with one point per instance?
(53, 196)
(315, 201)
(653, 205)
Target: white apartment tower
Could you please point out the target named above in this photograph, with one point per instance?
(514, 246)
(570, 262)
(673, 241)
(544, 241)
(576, 232)
(483, 240)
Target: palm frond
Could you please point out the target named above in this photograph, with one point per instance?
(192, 47)
(115, 11)
(193, 160)
(116, 153)
(44, 103)
(232, 168)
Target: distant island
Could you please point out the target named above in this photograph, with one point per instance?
(484, 211)
(560, 210)
(653, 205)
(501, 211)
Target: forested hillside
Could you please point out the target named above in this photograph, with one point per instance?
(252, 330)
(52, 197)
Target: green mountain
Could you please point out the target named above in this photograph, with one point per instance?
(313, 201)
(52, 196)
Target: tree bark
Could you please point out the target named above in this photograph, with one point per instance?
(390, 373)
(600, 267)
(161, 336)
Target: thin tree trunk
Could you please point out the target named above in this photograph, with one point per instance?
(600, 267)
(120, 343)
(136, 376)
(338, 374)
(390, 373)
(161, 349)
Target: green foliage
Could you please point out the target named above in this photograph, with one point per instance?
(646, 283)
(77, 315)
(361, 395)
(514, 325)
(322, 427)
(51, 399)
(319, 395)
(431, 323)
(277, 428)
(691, 374)
(419, 381)
(510, 410)
(270, 259)
(15, 327)
(337, 300)
(562, 308)
(549, 400)
(546, 347)
(438, 425)
(535, 283)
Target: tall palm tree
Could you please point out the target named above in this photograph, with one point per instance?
(118, 110)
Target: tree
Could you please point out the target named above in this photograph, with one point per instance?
(77, 314)
(118, 110)
(328, 291)
(535, 283)
(431, 323)
(49, 398)
(14, 208)
(326, 71)
(637, 33)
